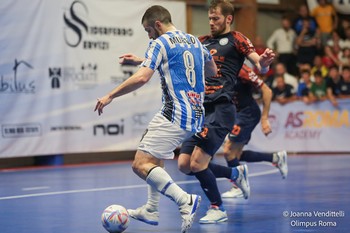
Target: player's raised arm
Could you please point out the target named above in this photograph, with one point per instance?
(130, 59)
(262, 62)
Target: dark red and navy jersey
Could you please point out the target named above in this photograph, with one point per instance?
(247, 83)
(229, 51)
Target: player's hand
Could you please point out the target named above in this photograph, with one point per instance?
(101, 103)
(266, 58)
(266, 127)
(130, 59)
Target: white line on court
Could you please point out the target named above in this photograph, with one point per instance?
(35, 188)
(119, 187)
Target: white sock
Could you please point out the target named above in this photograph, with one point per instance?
(275, 158)
(152, 198)
(160, 179)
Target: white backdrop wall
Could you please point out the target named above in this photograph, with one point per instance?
(57, 58)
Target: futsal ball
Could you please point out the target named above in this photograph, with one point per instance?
(115, 219)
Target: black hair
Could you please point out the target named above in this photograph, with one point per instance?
(156, 13)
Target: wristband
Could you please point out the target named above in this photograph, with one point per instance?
(264, 70)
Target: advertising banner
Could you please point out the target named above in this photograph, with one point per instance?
(57, 58)
(297, 127)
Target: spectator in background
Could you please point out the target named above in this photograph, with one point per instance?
(304, 15)
(319, 66)
(304, 66)
(343, 25)
(282, 93)
(334, 48)
(344, 56)
(318, 90)
(345, 42)
(305, 84)
(282, 41)
(307, 44)
(344, 83)
(260, 48)
(259, 45)
(280, 70)
(331, 51)
(326, 18)
(332, 81)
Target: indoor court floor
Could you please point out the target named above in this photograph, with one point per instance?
(70, 199)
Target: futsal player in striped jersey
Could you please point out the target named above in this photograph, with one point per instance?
(229, 49)
(182, 63)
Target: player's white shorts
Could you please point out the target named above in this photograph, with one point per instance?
(162, 137)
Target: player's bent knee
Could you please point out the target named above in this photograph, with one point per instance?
(183, 163)
(135, 166)
(197, 167)
(184, 168)
(230, 156)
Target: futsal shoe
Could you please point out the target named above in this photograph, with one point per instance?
(145, 215)
(214, 215)
(242, 181)
(234, 192)
(282, 164)
(188, 211)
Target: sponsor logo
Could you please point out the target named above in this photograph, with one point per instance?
(223, 41)
(109, 129)
(84, 77)
(127, 71)
(309, 124)
(66, 128)
(140, 122)
(79, 33)
(55, 74)
(140, 119)
(17, 82)
(206, 45)
(318, 119)
(203, 134)
(21, 130)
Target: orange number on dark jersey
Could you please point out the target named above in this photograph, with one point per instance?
(204, 132)
(235, 130)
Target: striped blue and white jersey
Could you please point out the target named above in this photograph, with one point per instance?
(180, 58)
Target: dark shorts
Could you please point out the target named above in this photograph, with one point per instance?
(246, 120)
(219, 119)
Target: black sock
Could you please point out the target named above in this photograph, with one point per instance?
(233, 163)
(209, 186)
(220, 171)
(252, 156)
(191, 174)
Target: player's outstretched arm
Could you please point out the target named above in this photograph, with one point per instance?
(130, 59)
(265, 60)
(262, 62)
(137, 80)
